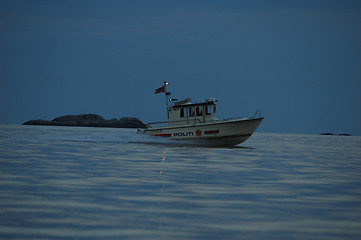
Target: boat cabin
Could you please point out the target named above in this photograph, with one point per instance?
(185, 112)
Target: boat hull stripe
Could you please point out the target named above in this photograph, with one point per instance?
(163, 135)
(211, 132)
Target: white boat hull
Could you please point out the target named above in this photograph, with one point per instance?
(218, 133)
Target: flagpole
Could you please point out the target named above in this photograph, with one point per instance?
(166, 97)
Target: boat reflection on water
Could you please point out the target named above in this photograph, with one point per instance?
(162, 171)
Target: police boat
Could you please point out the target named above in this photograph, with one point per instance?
(196, 122)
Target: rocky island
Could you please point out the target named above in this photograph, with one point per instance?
(89, 120)
(332, 134)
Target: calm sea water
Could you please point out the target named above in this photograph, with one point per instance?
(95, 183)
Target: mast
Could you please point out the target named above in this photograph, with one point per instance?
(166, 97)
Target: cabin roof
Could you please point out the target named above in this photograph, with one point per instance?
(193, 104)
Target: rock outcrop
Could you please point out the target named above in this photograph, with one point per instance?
(327, 134)
(331, 134)
(89, 120)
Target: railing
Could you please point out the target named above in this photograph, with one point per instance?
(259, 113)
(189, 121)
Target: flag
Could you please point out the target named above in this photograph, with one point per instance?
(160, 90)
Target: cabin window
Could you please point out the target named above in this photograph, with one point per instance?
(208, 110)
(199, 111)
(182, 112)
(191, 111)
(214, 109)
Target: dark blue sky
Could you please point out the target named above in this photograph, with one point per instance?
(298, 61)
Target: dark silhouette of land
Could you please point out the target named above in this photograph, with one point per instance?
(89, 120)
